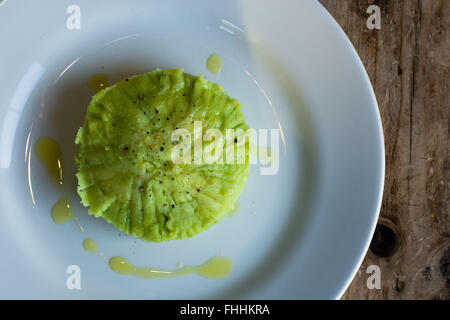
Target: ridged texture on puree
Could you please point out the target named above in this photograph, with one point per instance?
(125, 172)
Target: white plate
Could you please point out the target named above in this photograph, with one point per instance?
(291, 67)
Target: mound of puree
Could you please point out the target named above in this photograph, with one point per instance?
(125, 171)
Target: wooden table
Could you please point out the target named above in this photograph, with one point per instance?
(407, 60)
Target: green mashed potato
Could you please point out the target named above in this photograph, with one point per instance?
(125, 171)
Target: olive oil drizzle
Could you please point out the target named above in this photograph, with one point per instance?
(62, 211)
(99, 82)
(90, 245)
(214, 63)
(215, 268)
(49, 153)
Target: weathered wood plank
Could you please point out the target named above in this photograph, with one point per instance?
(408, 63)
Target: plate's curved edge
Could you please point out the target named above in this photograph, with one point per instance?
(381, 147)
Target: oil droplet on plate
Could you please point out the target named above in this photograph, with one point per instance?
(235, 209)
(90, 245)
(214, 268)
(214, 63)
(49, 153)
(99, 82)
(62, 211)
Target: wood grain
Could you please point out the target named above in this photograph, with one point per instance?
(407, 60)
